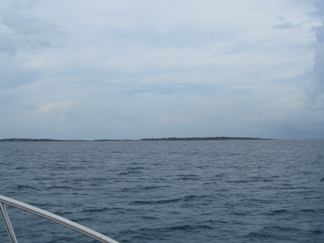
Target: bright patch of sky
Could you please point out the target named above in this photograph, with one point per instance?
(135, 69)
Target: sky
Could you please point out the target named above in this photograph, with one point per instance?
(131, 69)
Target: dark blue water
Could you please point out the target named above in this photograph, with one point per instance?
(168, 191)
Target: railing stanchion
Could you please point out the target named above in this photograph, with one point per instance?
(7, 223)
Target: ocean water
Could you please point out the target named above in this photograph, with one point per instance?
(167, 191)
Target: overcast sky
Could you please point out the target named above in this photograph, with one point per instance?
(81, 69)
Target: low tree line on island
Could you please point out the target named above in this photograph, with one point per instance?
(143, 139)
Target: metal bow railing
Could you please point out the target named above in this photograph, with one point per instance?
(53, 217)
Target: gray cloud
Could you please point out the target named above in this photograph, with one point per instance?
(22, 25)
(21, 31)
(8, 45)
(11, 78)
(11, 44)
(319, 12)
(286, 25)
(316, 91)
(24, 4)
(320, 34)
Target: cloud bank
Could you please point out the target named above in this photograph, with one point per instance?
(134, 69)
(317, 85)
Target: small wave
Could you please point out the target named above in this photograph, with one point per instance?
(138, 189)
(94, 210)
(188, 177)
(123, 173)
(158, 201)
(149, 218)
(274, 233)
(132, 170)
(193, 197)
(98, 180)
(239, 181)
(129, 189)
(63, 214)
(190, 228)
(161, 233)
(62, 239)
(258, 235)
(316, 231)
(240, 213)
(261, 179)
(152, 187)
(44, 205)
(307, 210)
(279, 211)
(27, 187)
(278, 228)
(182, 199)
(21, 168)
(78, 220)
(202, 167)
(217, 221)
(76, 168)
(59, 187)
(185, 228)
(257, 201)
(210, 183)
(116, 152)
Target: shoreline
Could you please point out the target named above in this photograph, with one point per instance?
(143, 139)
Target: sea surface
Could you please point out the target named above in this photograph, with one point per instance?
(167, 191)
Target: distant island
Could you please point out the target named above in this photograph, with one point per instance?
(34, 140)
(143, 139)
(203, 138)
